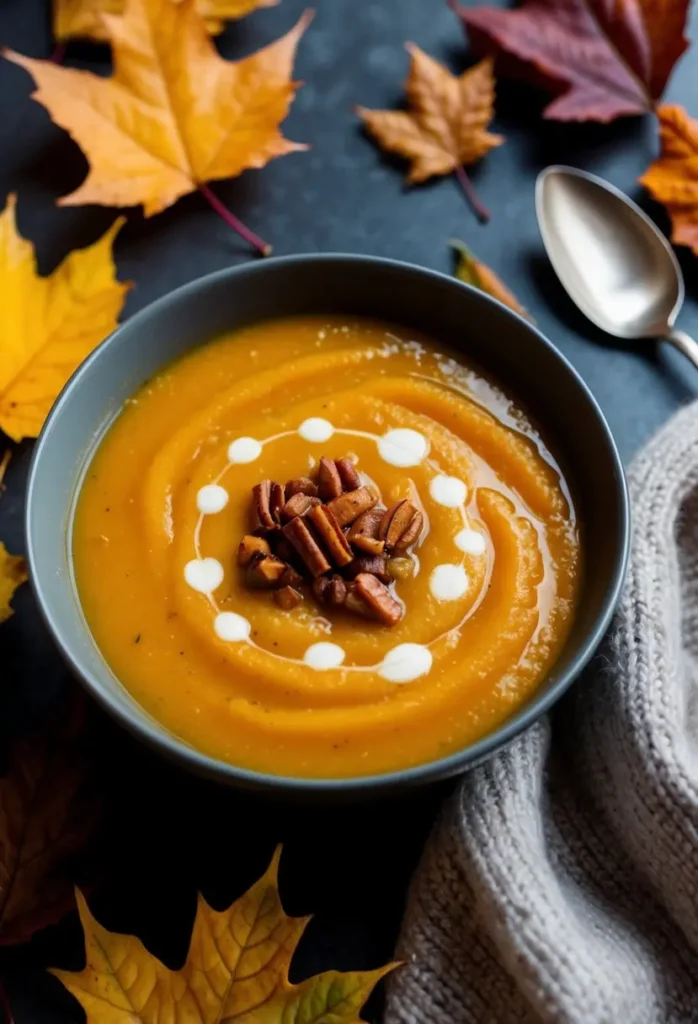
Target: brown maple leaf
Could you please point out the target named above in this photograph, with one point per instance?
(446, 124)
(174, 115)
(673, 177)
(47, 812)
(602, 58)
(236, 970)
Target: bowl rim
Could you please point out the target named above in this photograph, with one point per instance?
(178, 750)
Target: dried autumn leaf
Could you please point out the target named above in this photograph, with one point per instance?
(175, 114)
(13, 572)
(446, 124)
(48, 325)
(601, 59)
(472, 271)
(84, 19)
(236, 970)
(48, 810)
(4, 463)
(673, 178)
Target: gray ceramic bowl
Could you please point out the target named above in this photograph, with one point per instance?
(462, 317)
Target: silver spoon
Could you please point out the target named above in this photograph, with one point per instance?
(615, 264)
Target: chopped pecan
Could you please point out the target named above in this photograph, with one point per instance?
(290, 578)
(411, 534)
(301, 485)
(265, 571)
(262, 518)
(287, 598)
(397, 521)
(330, 590)
(277, 499)
(336, 592)
(251, 546)
(298, 505)
(354, 603)
(330, 533)
(348, 474)
(328, 479)
(375, 564)
(350, 506)
(378, 599)
(364, 532)
(298, 534)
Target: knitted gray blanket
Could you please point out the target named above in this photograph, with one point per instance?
(561, 883)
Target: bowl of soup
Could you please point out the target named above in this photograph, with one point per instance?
(327, 523)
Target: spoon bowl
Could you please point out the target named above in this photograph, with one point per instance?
(613, 261)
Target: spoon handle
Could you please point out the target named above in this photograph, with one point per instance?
(684, 343)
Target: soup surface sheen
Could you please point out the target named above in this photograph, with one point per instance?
(486, 612)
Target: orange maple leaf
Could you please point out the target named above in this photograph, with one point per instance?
(175, 114)
(473, 271)
(673, 178)
(236, 969)
(13, 571)
(446, 125)
(48, 325)
(84, 19)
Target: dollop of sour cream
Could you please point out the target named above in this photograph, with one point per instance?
(448, 582)
(211, 499)
(316, 430)
(470, 541)
(448, 491)
(324, 655)
(231, 627)
(204, 574)
(244, 449)
(403, 447)
(405, 663)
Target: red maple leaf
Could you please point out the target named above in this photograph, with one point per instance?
(602, 58)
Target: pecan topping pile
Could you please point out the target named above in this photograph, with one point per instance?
(329, 537)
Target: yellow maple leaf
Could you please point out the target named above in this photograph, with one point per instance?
(236, 970)
(84, 19)
(445, 126)
(48, 325)
(175, 114)
(673, 178)
(13, 571)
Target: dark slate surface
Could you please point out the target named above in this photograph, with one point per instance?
(170, 835)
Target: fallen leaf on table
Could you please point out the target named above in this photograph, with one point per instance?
(48, 325)
(13, 572)
(175, 114)
(4, 463)
(472, 271)
(602, 60)
(236, 970)
(446, 124)
(83, 19)
(673, 178)
(48, 810)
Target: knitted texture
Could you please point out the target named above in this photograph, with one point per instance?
(560, 883)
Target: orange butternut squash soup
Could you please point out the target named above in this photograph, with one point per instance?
(324, 547)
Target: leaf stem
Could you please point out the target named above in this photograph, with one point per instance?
(232, 221)
(5, 1007)
(58, 54)
(481, 212)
